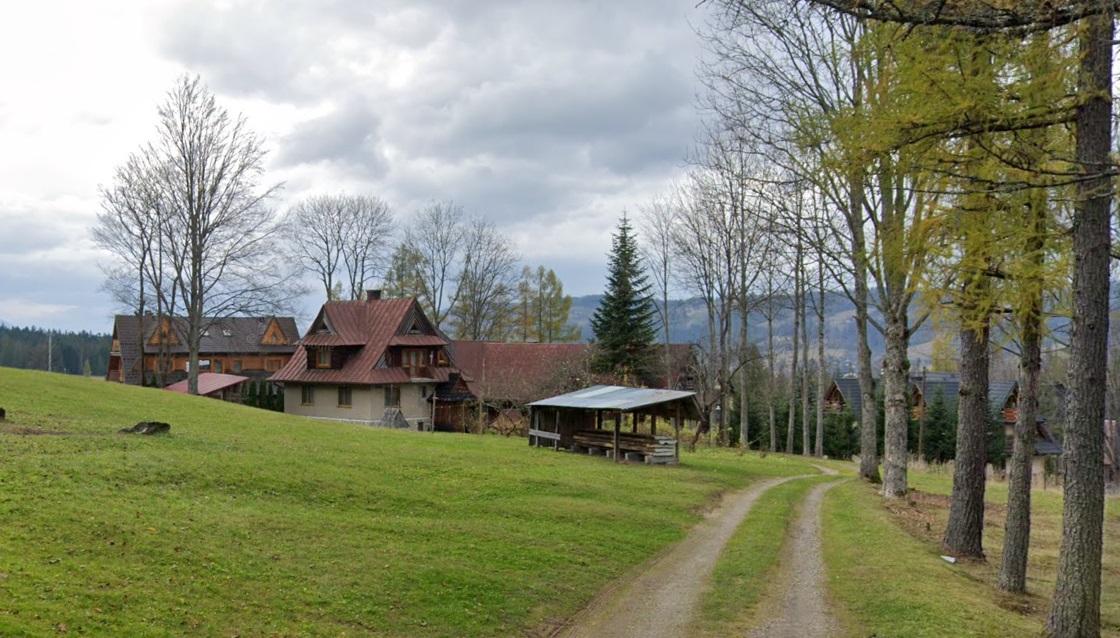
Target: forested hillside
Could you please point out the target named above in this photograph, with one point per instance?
(69, 352)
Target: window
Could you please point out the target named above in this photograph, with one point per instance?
(423, 392)
(323, 358)
(307, 396)
(217, 365)
(226, 332)
(344, 398)
(272, 365)
(392, 396)
(235, 365)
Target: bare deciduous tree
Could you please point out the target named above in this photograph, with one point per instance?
(207, 166)
(485, 284)
(436, 240)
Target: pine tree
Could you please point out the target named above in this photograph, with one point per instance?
(623, 322)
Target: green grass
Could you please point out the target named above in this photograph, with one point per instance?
(1046, 526)
(750, 561)
(244, 522)
(889, 583)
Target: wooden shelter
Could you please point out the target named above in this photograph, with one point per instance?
(575, 422)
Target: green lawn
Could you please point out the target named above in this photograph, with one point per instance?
(1046, 526)
(890, 583)
(243, 522)
(749, 565)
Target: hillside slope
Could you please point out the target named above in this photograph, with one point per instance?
(244, 522)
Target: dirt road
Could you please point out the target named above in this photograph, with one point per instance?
(802, 610)
(660, 599)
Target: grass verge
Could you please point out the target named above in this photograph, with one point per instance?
(889, 583)
(750, 560)
(245, 522)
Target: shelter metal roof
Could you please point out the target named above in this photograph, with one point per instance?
(613, 397)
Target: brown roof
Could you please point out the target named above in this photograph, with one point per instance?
(208, 382)
(372, 326)
(224, 335)
(519, 372)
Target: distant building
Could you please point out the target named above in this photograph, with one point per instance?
(1003, 400)
(253, 347)
(377, 361)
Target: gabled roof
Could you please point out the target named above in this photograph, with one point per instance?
(519, 372)
(848, 386)
(208, 382)
(370, 327)
(223, 335)
(948, 385)
(617, 397)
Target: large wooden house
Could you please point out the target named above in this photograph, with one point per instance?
(377, 361)
(253, 347)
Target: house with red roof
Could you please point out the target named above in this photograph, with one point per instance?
(377, 361)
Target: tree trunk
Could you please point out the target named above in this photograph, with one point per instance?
(819, 451)
(965, 530)
(791, 422)
(1076, 609)
(896, 386)
(869, 414)
(806, 442)
(744, 404)
(1017, 530)
(770, 378)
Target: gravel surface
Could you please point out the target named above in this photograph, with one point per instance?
(659, 599)
(802, 610)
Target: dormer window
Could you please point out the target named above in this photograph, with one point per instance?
(226, 332)
(322, 357)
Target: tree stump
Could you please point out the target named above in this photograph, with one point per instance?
(147, 428)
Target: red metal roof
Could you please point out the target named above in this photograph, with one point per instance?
(417, 340)
(208, 383)
(372, 324)
(519, 372)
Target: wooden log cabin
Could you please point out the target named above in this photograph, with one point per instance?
(578, 422)
(926, 387)
(254, 347)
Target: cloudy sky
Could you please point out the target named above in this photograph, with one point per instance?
(549, 118)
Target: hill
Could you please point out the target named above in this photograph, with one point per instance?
(689, 324)
(246, 522)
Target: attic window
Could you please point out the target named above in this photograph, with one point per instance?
(206, 332)
(226, 332)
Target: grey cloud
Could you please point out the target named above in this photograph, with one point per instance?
(522, 111)
(347, 137)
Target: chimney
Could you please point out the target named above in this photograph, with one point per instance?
(373, 295)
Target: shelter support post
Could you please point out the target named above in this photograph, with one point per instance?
(677, 434)
(617, 428)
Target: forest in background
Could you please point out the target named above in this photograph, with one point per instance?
(70, 352)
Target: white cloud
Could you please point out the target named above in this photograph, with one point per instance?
(547, 118)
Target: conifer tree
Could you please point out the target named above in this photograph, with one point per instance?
(623, 322)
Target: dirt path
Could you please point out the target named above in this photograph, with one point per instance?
(660, 599)
(802, 610)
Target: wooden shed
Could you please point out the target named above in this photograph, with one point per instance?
(576, 422)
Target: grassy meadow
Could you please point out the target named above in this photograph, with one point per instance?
(244, 522)
(885, 567)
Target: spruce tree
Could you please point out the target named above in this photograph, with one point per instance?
(623, 322)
